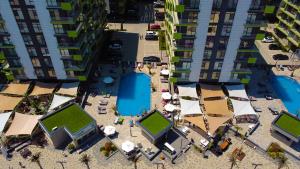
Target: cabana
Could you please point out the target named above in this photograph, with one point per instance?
(237, 91)
(59, 100)
(189, 107)
(4, 117)
(243, 111)
(217, 108)
(22, 124)
(8, 103)
(69, 89)
(15, 89)
(211, 91)
(43, 88)
(188, 90)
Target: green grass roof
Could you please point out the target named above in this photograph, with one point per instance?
(155, 123)
(289, 124)
(72, 117)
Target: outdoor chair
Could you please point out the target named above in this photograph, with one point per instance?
(116, 120)
(103, 102)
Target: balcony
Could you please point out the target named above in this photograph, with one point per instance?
(63, 20)
(257, 23)
(6, 45)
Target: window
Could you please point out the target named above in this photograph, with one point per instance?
(29, 2)
(203, 75)
(205, 65)
(27, 40)
(18, 13)
(32, 51)
(48, 62)
(192, 17)
(70, 73)
(226, 30)
(18, 72)
(229, 16)
(45, 51)
(58, 29)
(32, 14)
(215, 75)
(14, 2)
(218, 65)
(64, 52)
(37, 27)
(6, 40)
(36, 62)
(23, 27)
(247, 31)
(251, 17)
(39, 72)
(214, 17)
(212, 30)
(40, 39)
(51, 2)
(245, 44)
(209, 43)
(187, 54)
(223, 42)
(2, 28)
(191, 30)
(232, 3)
(217, 4)
(51, 73)
(207, 54)
(220, 54)
(238, 66)
(186, 65)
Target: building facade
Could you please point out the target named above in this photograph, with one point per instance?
(50, 39)
(212, 40)
(287, 30)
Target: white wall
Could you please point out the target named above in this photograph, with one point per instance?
(234, 39)
(51, 41)
(201, 34)
(16, 38)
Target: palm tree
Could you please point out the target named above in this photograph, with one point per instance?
(85, 159)
(36, 159)
(282, 162)
(233, 160)
(149, 68)
(135, 160)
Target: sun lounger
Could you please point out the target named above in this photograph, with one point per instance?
(103, 111)
(101, 108)
(204, 142)
(268, 97)
(257, 109)
(116, 120)
(107, 95)
(252, 98)
(103, 102)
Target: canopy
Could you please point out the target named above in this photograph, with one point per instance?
(4, 117)
(189, 107)
(165, 72)
(217, 107)
(208, 91)
(43, 88)
(69, 89)
(188, 90)
(109, 130)
(59, 100)
(170, 107)
(197, 121)
(166, 95)
(15, 89)
(22, 124)
(108, 80)
(242, 108)
(9, 103)
(128, 146)
(237, 91)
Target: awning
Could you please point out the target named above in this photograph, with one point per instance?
(166, 95)
(242, 108)
(197, 121)
(4, 117)
(9, 103)
(128, 146)
(109, 130)
(189, 107)
(217, 108)
(108, 80)
(22, 124)
(170, 107)
(69, 89)
(208, 91)
(15, 89)
(165, 72)
(237, 91)
(43, 88)
(188, 90)
(59, 100)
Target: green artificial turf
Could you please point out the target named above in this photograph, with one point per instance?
(155, 123)
(289, 124)
(72, 117)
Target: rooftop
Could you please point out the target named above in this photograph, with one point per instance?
(71, 117)
(289, 124)
(155, 123)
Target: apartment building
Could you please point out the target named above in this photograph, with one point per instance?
(287, 30)
(50, 39)
(213, 40)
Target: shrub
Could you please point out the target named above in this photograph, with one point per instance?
(102, 149)
(71, 147)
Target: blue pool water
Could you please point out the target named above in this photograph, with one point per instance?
(288, 90)
(134, 94)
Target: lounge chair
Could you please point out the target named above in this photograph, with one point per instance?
(116, 120)
(252, 98)
(103, 102)
(107, 95)
(103, 111)
(257, 109)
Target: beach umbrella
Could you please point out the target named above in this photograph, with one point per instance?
(166, 95)
(170, 107)
(127, 146)
(165, 72)
(109, 130)
(108, 80)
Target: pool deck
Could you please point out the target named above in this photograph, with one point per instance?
(109, 118)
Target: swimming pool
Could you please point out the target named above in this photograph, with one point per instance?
(134, 94)
(288, 90)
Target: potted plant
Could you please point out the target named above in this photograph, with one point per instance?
(71, 147)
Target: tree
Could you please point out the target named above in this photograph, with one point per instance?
(233, 160)
(135, 160)
(85, 159)
(36, 159)
(282, 161)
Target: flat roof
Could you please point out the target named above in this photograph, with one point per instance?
(155, 123)
(289, 124)
(71, 117)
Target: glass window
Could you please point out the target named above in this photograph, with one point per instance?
(203, 75)
(18, 13)
(220, 54)
(226, 30)
(205, 65)
(23, 27)
(64, 52)
(247, 31)
(207, 54)
(51, 2)
(229, 16)
(48, 62)
(40, 39)
(209, 43)
(45, 51)
(212, 29)
(32, 14)
(37, 27)
(29, 2)
(191, 30)
(32, 51)
(215, 75)
(218, 65)
(58, 29)
(36, 62)
(51, 73)
(214, 17)
(14, 2)
(27, 39)
(39, 72)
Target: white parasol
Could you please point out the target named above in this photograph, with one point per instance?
(165, 72)
(170, 107)
(109, 130)
(166, 95)
(128, 146)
